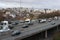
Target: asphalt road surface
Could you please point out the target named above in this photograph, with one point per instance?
(31, 30)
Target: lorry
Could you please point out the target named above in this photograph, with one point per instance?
(4, 26)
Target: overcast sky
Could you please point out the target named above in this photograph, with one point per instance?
(52, 4)
(9, 3)
(55, 4)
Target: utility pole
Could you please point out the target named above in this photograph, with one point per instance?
(45, 10)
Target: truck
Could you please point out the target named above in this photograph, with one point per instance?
(4, 26)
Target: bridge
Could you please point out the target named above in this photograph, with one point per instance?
(35, 29)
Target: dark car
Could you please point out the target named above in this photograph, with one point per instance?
(30, 23)
(14, 33)
(25, 26)
(15, 23)
(53, 23)
(10, 27)
(39, 21)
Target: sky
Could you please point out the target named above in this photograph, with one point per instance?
(9, 3)
(51, 4)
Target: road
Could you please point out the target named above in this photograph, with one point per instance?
(31, 30)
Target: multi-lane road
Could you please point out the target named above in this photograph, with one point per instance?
(31, 30)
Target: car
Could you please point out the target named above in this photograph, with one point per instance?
(49, 20)
(55, 18)
(15, 23)
(14, 33)
(39, 21)
(42, 20)
(10, 22)
(30, 23)
(1, 27)
(53, 23)
(25, 26)
(10, 27)
(22, 21)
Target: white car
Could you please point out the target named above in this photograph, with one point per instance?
(42, 20)
(49, 20)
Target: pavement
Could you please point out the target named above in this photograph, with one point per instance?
(31, 30)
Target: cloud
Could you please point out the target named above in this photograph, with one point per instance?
(9, 3)
(52, 4)
(27, 0)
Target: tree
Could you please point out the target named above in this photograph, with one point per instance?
(49, 15)
(31, 16)
(1, 16)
